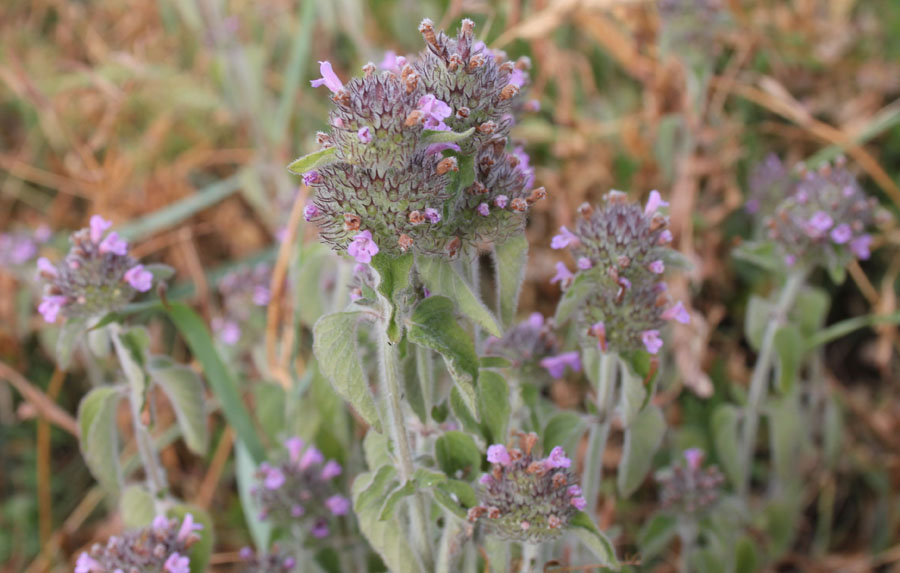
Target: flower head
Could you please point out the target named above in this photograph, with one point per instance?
(160, 547)
(688, 487)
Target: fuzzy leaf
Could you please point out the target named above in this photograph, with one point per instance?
(201, 551)
(136, 506)
(833, 432)
(434, 325)
(334, 344)
(758, 316)
(634, 396)
(810, 310)
(510, 258)
(602, 548)
(495, 362)
(315, 159)
(786, 435)
(430, 136)
(563, 429)
(790, 346)
(99, 435)
(642, 439)
(160, 271)
(244, 470)
(463, 409)
(455, 452)
(398, 493)
(442, 279)
(386, 537)
(185, 391)
(582, 286)
(493, 406)
(394, 277)
(656, 534)
(69, 336)
(724, 424)
(761, 254)
(413, 381)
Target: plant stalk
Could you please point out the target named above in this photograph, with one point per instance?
(593, 462)
(529, 554)
(390, 378)
(759, 382)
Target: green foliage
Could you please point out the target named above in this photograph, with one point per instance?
(394, 273)
(642, 438)
(185, 391)
(563, 429)
(433, 325)
(201, 551)
(312, 161)
(66, 341)
(493, 406)
(724, 427)
(137, 506)
(584, 528)
(457, 454)
(656, 534)
(432, 136)
(442, 279)
(99, 436)
(245, 468)
(510, 258)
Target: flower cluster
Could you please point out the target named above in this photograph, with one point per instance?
(527, 344)
(20, 247)
(398, 143)
(161, 547)
(243, 291)
(770, 182)
(824, 220)
(622, 248)
(272, 562)
(689, 488)
(525, 498)
(97, 276)
(300, 489)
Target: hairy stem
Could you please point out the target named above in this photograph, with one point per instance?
(593, 462)
(390, 378)
(687, 532)
(759, 382)
(529, 555)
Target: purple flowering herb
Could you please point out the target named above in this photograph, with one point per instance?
(331, 470)
(329, 79)
(677, 313)
(584, 263)
(860, 247)
(841, 234)
(312, 456)
(563, 275)
(564, 239)
(652, 341)
(177, 563)
(484, 210)
(819, 224)
(497, 454)
(363, 248)
(139, 278)
(435, 112)
(338, 505)
(364, 134)
(556, 365)
(188, 528)
(98, 226)
(657, 267)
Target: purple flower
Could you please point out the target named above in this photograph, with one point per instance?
(177, 563)
(574, 490)
(439, 147)
(498, 454)
(329, 79)
(677, 313)
(485, 479)
(139, 278)
(160, 523)
(789, 260)
(556, 365)
(294, 447)
(860, 246)
(694, 457)
(501, 201)
(274, 479)
(665, 237)
(288, 563)
(50, 307)
(841, 234)
(524, 165)
(338, 505)
(435, 112)
(517, 77)
(46, 268)
(818, 224)
(99, 225)
(87, 564)
(332, 469)
(261, 295)
(483, 209)
(310, 177)
(320, 529)
(364, 134)
(579, 503)
(188, 527)
(536, 320)
(363, 248)
(42, 234)
(563, 274)
(392, 62)
(563, 239)
(584, 263)
(654, 202)
(23, 250)
(432, 215)
(297, 510)
(657, 267)
(114, 244)
(310, 211)
(246, 553)
(652, 341)
(557, 459)
(311, 457)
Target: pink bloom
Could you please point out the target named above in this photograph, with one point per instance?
(311, 456)
(99, 225)
(497, 454)
(297, 510)
(533, 105)
(563, 274)
(320, 529)
(536, 320)
(274, 479)
(517, 77)
(657, 267)
(432, 215)
(501, 201)
(364, 134)
(188, 527)
(114, 244)
(42, 234)
(860, 246)
(563, 239)
(652, 341)
(789, 260)
(557, 459)
(818, 224)
(486, 479)
(310, 211)
(338, 505)
(332, 469)
(392, 62)
(578, 503)
(665, 237)
(46, 268)
(677, 313)
(584, 263)
(329, 79)
(310, 177)
(228, 330)
(139, 278)
(295, 448)
(177, 563)
(50, 307)
(261, 295)
(87, 564)
(363, 248)
(160, 523)
(556, 365)
(654, 202)
(524, 165)
(841, 234)
(694, 457)
(439, 147)
(574, 490)
(483, 209)
(435, 112)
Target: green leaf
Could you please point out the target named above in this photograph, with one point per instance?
(602, 548)
(136, 506)
(466, 175)
(425, 478)
(656, 534)
(642, 439)
(201, 551)
(131, 348)
(394, 277)
(442, 279)
(833, 432)
(563, 429)
(220, 377)
(456, 452)
(495, 362)
(390, 504)
(761, 254)
(269, 401)
(510, 258)
(185, 391)
(493, 406)
(99, 436)
(98, 342)
(334, 344)
(388, 537)
(244, 471)
(413, 381)
(463, 410)
(745, 560)
(433, 325)
(758, 316)
(310, 274)
(376, 448)
(69, 336)
(724, 424)
(845, 327)
(160, 271)
(582, 286)
(790, 346)
(315, 159)
(786, 431)
(430, 136)
(634, 396)
(811, 309)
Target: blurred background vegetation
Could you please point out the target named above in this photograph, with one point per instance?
(176, 118)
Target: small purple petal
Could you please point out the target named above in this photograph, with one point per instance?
(99, 225)
(563, 239)
(363, 248)
(652, 341)
(188, 527)
(501, 201)
(654, 202)
(860, 246)
(46, 268)
(338, 505)
(498, 454)
(332, 469)
(694, 457)
(50, 307)
(177, 563)
(320, 529)
(432, 215)
(312, 456)
(584, 263)
(483, 209)
(139, 278)
(364, 134)
(557, 459)
(556, 365)
(563, 274)
(329, 79)
(841, 234)
(657, 267)
(579, 503)
(294, 447)
(310, 211)
(274, 479)
(114, 244)
(311, 178)
(677, 313)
